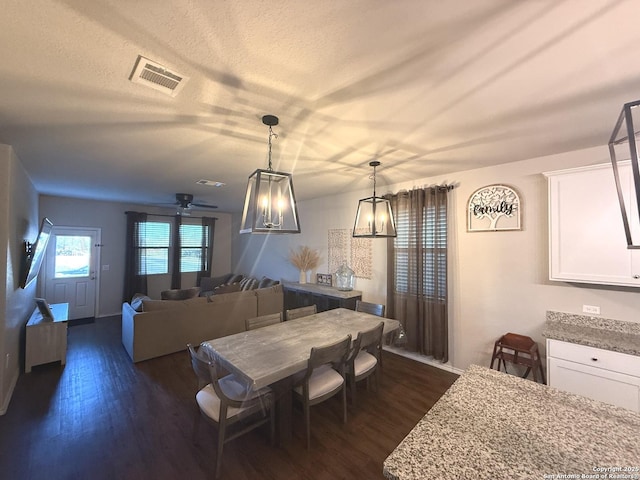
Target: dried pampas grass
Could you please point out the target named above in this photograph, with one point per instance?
(304, 258)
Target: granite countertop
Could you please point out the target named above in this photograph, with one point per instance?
(605, 333)
(490, 425)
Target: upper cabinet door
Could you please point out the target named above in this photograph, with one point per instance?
(587, 243)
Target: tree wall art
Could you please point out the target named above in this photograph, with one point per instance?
(492, 208)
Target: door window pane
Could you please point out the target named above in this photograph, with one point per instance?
(73, 256)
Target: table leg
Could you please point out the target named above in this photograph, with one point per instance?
(284, 410)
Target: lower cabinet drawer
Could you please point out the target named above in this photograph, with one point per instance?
(595, 383)
(594, 357)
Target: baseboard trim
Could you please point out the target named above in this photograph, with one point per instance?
(423, 359)
(7, 399)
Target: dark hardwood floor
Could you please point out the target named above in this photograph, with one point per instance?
(102, 417)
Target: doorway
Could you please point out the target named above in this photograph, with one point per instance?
(71, 274)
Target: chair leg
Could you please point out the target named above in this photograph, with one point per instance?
(222, 426)
(344, 402)
(353, 388)
(307, 422)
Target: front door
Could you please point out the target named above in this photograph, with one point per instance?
(70, 269)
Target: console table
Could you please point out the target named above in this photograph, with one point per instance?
(46, 339)
(325, 298)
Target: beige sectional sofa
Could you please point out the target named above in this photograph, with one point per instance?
(166, 326)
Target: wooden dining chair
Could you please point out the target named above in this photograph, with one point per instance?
(323, 378)
(301, 312)
(263, 321)
(364, 359)
(372, 308)
(226, 401)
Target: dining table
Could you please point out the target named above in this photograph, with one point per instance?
(270, 356)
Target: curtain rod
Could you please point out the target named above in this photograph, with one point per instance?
(169, 216)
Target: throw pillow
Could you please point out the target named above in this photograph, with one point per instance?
(235, 278)
(248, 283)
(136, 301)
(180, 294)
(266, 282)
(209, 283)
(234, 287)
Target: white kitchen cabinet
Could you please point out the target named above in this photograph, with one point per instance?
(587, 243)
(603, 375)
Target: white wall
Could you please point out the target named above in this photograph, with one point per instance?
(110, 218)
(19, 221)
(498, 281)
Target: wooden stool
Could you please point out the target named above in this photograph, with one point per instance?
(518, 350)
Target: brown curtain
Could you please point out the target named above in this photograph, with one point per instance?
(176, 276)
(134, 281)
(208, 231)
(417, 269)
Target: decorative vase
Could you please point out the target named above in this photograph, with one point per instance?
(303, 276)
(344, 278)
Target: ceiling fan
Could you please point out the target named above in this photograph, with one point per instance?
(185, 203)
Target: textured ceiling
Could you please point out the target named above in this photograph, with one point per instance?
(425, 86)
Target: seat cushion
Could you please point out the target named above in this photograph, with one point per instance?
(209, 402)
(364, 362)
(323, 380)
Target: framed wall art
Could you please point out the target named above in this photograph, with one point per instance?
(492, 208)
(324, 279)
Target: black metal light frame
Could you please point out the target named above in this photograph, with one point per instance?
(624, 133)
(366, 222)
(270, 204)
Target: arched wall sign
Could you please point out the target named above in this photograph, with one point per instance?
(492, 208)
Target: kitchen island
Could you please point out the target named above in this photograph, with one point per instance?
(490, 425)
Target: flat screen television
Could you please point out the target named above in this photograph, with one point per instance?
(34, 254)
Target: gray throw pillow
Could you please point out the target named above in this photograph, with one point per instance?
(180, 294)
(136, 301)
(235, 278)
(234, 287)
(266, 282)
(209, 283)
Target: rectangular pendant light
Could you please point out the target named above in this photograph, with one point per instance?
(623, 148)
(270, 204)
(374, 218)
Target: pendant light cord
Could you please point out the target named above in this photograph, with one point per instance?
(374, 180)
(271, 134)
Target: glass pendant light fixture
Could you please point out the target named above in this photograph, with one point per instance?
(270, 204)
(374, 218)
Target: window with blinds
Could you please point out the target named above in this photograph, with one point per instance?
(154, 243)
(434, 253)
(192, 239)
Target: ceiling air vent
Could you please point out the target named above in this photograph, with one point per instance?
(152, 74)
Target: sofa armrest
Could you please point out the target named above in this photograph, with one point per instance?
(128, 327)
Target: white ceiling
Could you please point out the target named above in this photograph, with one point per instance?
(427, 87)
